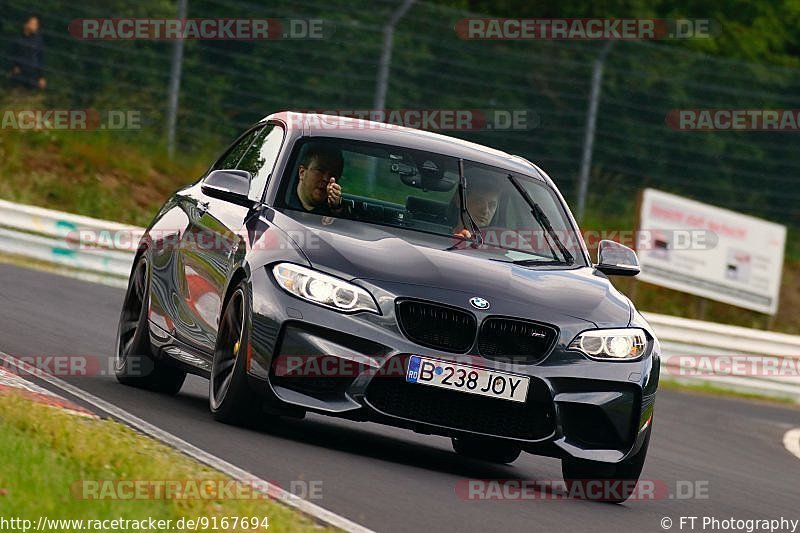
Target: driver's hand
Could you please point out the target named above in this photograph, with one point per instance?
(334, 193)
(463, 234)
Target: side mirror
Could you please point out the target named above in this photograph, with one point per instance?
(615, 259)
(231, 185)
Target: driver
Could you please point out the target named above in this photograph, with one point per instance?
(317, 189)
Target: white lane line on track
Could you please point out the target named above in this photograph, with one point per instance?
(791, 440)
(194, 452)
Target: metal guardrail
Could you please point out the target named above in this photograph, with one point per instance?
(92, 246)
(86, 244)
(728, 357)
(736, 339)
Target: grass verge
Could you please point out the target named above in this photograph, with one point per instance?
(49, 456)
(710, 389)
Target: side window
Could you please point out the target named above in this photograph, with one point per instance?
(231, 159)
(260, 159)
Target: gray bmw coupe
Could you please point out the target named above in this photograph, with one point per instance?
(375, 272)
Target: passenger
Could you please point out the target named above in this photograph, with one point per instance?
(481, 204)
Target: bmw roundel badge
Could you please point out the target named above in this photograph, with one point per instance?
(479, 303)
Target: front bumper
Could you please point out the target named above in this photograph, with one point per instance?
(308, 357)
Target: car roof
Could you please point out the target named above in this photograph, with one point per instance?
(322, 125)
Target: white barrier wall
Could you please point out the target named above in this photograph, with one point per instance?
(74, 241)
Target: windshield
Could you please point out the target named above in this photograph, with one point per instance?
(501, 214)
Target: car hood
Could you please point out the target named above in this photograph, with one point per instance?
(387, 257)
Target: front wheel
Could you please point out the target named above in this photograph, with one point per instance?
(134, 363)
(487, 450)
(230, 398)
(613, 483)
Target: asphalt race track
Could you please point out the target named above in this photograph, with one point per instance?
(395, 480)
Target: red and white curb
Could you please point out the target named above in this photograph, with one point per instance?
(10, 382)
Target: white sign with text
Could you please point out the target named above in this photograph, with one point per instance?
(709, 251)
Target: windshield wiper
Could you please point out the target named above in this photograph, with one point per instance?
(531, 262)
(537, 262)
(462, 191)
(543, 221)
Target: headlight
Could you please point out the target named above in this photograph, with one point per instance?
(323, 289)
(624, 343)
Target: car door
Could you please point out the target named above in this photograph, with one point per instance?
(214, 241)
(170, 309)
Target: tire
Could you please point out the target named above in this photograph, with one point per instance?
(581, 476)
(487, 450)
(134, 362)
(230, 398)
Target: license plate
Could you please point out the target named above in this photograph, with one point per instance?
(464, 378)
